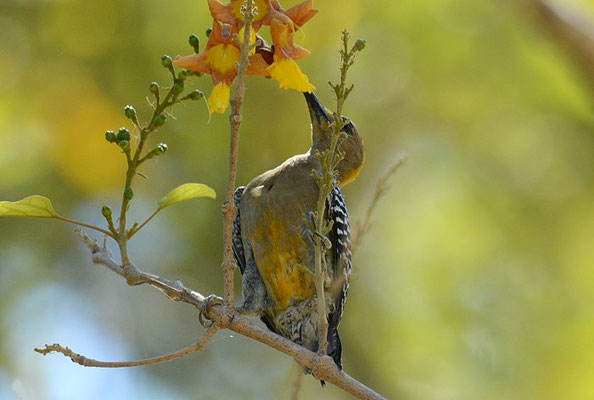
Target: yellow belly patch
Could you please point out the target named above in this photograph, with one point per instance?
(282, 264)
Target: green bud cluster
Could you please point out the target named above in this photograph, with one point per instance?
(123, 134)
(208, 32)
(122, 138)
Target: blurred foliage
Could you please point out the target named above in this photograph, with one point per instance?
(475, 281)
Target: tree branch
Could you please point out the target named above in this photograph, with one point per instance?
(322, 367)
(572, 29)
(89, 362)
(229, 209)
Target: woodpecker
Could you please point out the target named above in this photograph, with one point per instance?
(274, 247)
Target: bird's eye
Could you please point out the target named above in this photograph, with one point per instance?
(348, 128)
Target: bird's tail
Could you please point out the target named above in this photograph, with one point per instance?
(334, 346)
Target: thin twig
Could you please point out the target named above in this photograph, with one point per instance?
(133, 231)
(362, 225)
(229, 209)
(72, 221)
(89, 362)
(296, 383)
(329, 161)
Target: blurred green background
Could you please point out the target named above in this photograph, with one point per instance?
(476, 280)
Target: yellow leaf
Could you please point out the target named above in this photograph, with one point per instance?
(185, 192)
(32, 206)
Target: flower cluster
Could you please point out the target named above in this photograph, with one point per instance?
(222, 54)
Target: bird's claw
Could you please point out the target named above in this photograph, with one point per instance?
(209, 301)
(310, 228)
(325, 241)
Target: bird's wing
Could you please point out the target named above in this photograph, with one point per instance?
(340, 236)
(236, 236)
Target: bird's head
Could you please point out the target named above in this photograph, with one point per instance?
(351, 143)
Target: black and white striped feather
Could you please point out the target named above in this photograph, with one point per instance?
(340, 236)
(236, 235)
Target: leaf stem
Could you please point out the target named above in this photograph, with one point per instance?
(133, 231)
(75, 222)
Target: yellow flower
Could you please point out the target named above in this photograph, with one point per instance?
(289, 75)
(252, 39)
(223, 58)
(222, 52)
(219, 98)
(262, 9)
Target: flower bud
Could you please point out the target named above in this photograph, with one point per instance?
(195, 42)
(194, 95)
(130, 112)
(106, 211)
(154, 88)
(128, 193)
(208, 32)
(183, 74)
(359, 45)
(160, 149)
(166, 61)
(110, 136)
(123, 134)
(178, 87)
(124, 144)
(160, 120)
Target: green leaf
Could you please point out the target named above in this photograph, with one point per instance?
(32, 206)
(187, 191)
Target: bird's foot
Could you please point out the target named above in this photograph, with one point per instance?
(209, 301)
(249, 309)
(310, 229)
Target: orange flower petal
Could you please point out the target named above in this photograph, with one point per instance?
(282, 37)
(194, 62)
(222, 12)
(302, 12)
(258, 66)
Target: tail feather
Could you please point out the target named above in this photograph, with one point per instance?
(335, 346)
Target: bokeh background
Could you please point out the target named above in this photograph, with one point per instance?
(476, 280)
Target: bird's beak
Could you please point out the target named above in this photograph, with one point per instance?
(317, 111)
